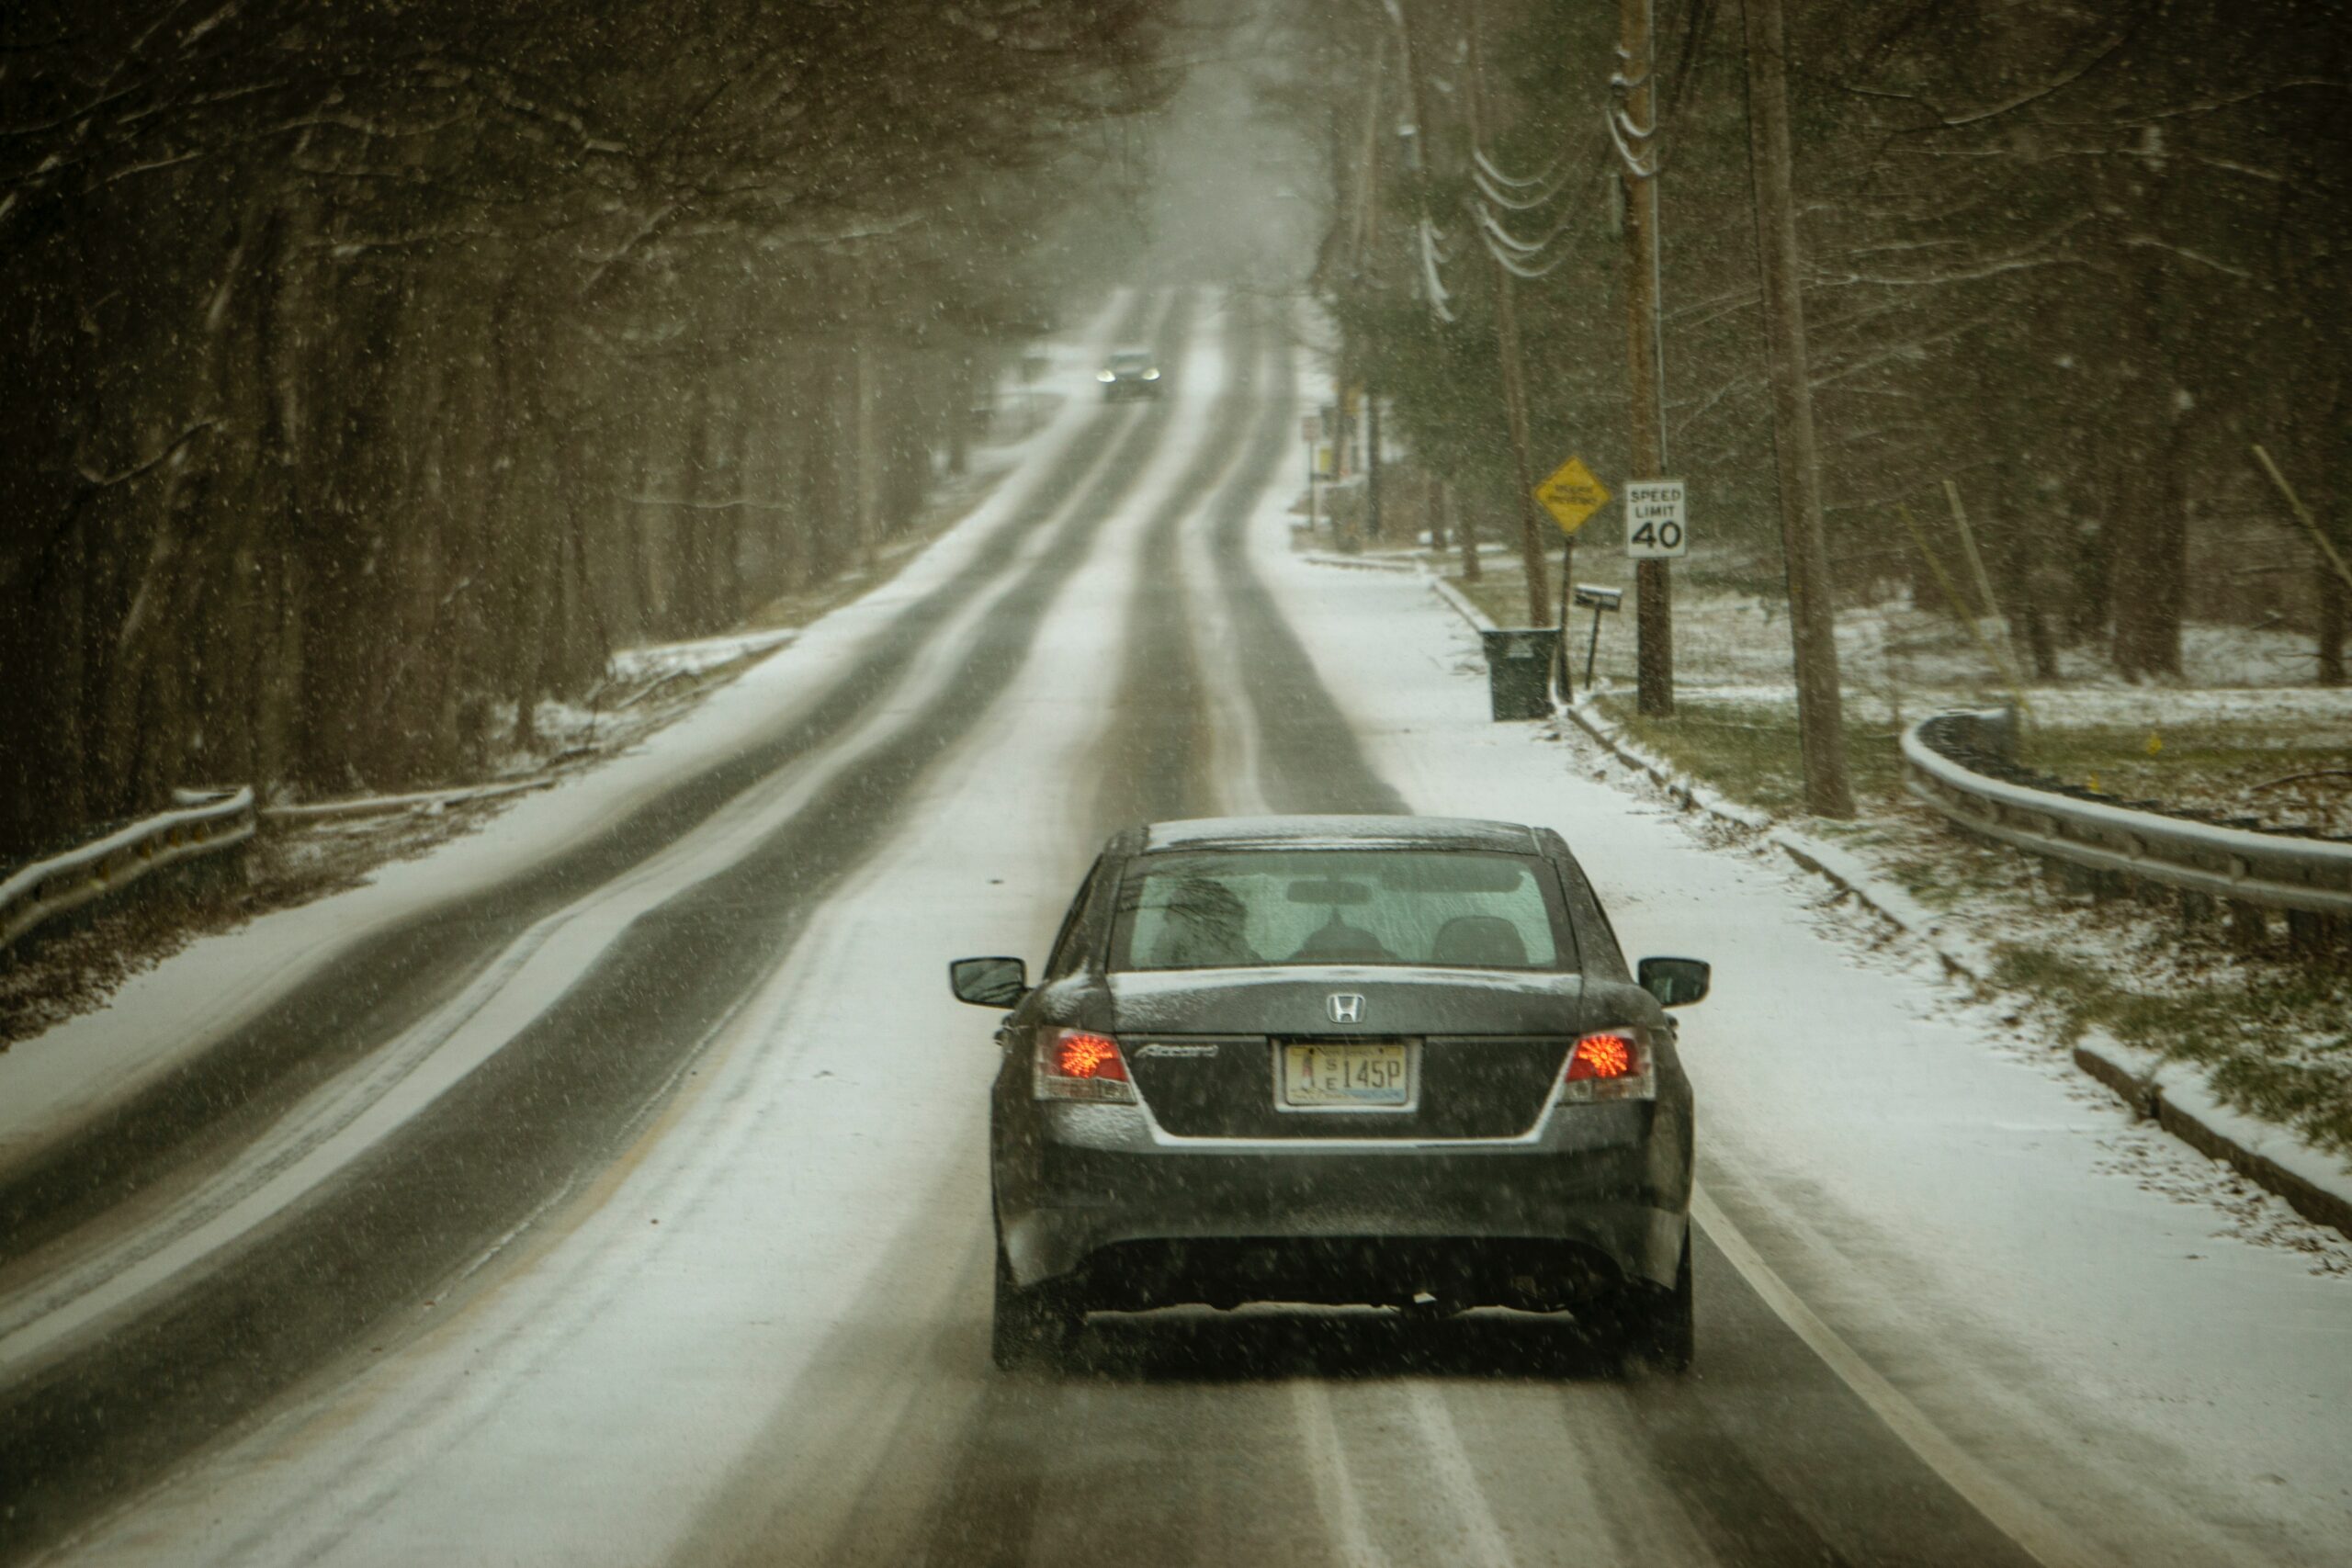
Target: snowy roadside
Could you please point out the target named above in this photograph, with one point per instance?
(2235, 735)
(663, 1340)
(126, 1021)
(2034, 1266)
(312, 848)
(2176, 1095)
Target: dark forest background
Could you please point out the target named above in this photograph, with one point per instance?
(2074, 258)
(373, 368)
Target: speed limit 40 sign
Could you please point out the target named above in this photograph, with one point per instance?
(1658, 524)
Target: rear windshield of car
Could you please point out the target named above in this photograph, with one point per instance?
(1130, 361)
(1447, 908)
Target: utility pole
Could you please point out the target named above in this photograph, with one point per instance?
(1531, 522)
(1634, 129)
(1821, 732)
(1531, 525)
(1363, 268)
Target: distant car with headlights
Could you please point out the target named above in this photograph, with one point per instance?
(1129, 373)
(1386, 1060)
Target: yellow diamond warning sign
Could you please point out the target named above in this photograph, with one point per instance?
(1571, 495)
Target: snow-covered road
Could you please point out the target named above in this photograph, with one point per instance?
(728, 1301)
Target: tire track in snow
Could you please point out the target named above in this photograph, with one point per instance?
(1677, 1475)
(939, 1496)
(1154, 758)
(560, 1096)
(385, 1453)
(219, 1098)
(1308, 758)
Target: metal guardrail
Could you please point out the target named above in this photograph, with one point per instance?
(387, 804)
(204, 824)
(2277, 871)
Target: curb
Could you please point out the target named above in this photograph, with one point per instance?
(2169, 1094)
(1361, 563)
(1479, 620)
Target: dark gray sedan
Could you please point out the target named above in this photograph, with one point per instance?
(1385, 1060)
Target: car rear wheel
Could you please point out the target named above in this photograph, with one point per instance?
(1657, 1326)
(1032, 1327)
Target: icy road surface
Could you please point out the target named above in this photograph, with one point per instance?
(638, 1213)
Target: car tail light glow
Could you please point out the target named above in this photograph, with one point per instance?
(1610, 1064)
(1081, 1056)
(1078, 1064)
(1602, 1056)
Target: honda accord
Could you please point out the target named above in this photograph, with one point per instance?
(1352, 1060)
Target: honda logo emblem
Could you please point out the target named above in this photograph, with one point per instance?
(1344, 1008)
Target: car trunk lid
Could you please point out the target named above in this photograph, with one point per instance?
(1207, 1047)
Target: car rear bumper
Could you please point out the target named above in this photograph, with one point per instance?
(1100, 1196)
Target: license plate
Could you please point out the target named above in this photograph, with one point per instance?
(1357, 1075)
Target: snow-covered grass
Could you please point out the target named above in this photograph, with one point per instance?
(1747, 750)
(690, 658)
(75, 968)
(2269, 1027)
(2286, 772)
(1892, 651)
(2275, 1039)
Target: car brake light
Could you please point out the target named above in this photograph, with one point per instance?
(1608, 1056)
(1609, 1064)
(1078, 1064)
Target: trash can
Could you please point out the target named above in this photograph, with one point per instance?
(1519, 671)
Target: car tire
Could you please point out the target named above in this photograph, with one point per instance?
(1659, 1326)
(1030, 1329)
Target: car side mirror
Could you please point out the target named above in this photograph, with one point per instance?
(989, 981)
(1675, 982)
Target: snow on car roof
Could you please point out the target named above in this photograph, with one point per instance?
(1352, 832)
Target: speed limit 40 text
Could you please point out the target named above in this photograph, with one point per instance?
(1658, 522)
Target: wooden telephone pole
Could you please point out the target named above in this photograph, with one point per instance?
(1514, 375)
(1634, 129)
(1821, 731)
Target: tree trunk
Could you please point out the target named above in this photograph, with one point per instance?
(1466, 536)
(2334, 602)
(865, 445)
(1644, 353)
(1811, 621)
(2150, 565)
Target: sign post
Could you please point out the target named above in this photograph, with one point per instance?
(1601, 599)
(1571, 495)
